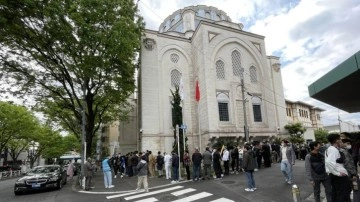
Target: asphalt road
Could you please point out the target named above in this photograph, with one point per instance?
(269, 181)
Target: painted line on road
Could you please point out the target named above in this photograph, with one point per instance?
(222, 200)
(152, 193)
(194, 197)
(127, 191)
(152, 199)
(181, 192)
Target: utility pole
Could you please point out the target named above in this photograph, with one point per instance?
(83, 136)
(246, 132)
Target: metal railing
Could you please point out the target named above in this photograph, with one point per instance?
(9, 174)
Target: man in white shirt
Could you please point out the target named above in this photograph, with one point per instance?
(226, 158)
(287, 156)
(167, 161)
(340, 182)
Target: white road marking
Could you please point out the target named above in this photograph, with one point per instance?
(194, 197)
(152, 199)
(222, 200)
(152, 193)
(181, 192)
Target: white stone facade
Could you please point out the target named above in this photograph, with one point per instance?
(215, 52)
(308, 115)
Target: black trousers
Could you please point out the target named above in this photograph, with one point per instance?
(217, 169)
(187, 168)
(226, 167)
(341, 188)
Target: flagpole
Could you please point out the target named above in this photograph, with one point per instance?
(198, 108)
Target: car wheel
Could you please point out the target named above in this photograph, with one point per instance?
(59, 185)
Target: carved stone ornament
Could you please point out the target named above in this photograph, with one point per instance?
(276, 67)
(149, 43)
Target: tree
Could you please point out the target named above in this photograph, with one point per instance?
(16, 122)
(177, 119)
(15, 147)
(321, 135)
(71, 55)
(296, 132)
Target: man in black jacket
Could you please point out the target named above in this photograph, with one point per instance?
(315, 171)
(216, 163)
(196, 159)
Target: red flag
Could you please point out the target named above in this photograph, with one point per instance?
(197, 92)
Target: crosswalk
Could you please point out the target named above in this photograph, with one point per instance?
(182, 194)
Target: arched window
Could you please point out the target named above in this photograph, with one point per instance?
(253, 76)
(223, 105)
(236, 63)
(220, 70)
(175, 78)
(174, 58)
(256, 103)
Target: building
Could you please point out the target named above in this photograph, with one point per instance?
(308, 115)
(120, 136)
(201, 43)
(344, 126)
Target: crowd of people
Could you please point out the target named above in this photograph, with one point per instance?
(214, 163)
(333, 165)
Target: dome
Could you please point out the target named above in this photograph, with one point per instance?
(175, 21)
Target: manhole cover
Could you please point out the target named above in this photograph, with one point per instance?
(228, 182)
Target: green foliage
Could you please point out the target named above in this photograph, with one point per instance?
(71, 56)
(296, 139)
(177, 120)
(321, 135)
(226, 141)
(296, 132)
(16, 123)
(295, 129)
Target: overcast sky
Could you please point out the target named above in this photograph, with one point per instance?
(310, 36)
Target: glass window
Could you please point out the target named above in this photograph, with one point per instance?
(257, 113)
(220, 70)
(175, 78)
(223, 101)
(236, 63)
(253, 76)
(256, 103)
(223, 111)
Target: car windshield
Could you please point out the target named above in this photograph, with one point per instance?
(43, 169)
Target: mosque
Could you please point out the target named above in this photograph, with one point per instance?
(240, 86)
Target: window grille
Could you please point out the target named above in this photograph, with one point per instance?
(223, 111)
(257, 113)
(220, 70)
(253, 76)
(174, 58)
(223, 106)
(175, 78)
(236, 63)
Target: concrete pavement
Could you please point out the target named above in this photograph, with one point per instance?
(269, 181)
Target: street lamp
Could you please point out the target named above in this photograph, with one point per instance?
(33, 148)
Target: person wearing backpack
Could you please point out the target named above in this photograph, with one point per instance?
(316, 173)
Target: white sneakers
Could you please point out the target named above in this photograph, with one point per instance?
(111, 186)
(114, 176)
(248, 189)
